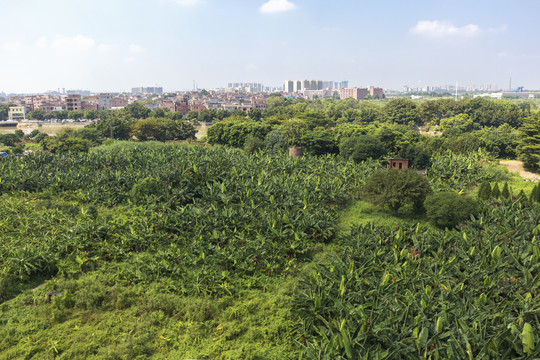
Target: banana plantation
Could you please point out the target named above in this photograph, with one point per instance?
(172, 251)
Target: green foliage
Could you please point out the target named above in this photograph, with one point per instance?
(495, 191)
(274, 141)
(294, 130)
(39, 137)
(136, 110)
(529, 147)
(484, 193)
(361, 148)
(9, 139)
(494, 112)
(253, 144)
(535, 194)
(450, 171)
(4, 110)
(448, 209)
(401, 111)
(409, 293)
(234, 132)
(393, 188)
(319, 142)
(417, 155)
(146, 191)
(198, 221)
(162, 129)
(461, 122)
(505, 193)
(113, 126)
(65, 144)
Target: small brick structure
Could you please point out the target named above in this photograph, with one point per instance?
(398, 163)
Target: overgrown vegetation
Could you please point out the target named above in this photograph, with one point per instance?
(129, 249)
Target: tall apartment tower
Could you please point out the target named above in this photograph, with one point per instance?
(289, 86)
(297, 86)
(306, 85)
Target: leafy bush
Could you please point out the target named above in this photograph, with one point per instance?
(275, 141)
(395, 188)
(448, 209)
(147, 190)
(484, 192)
(253, 144)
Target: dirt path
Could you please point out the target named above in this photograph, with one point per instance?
(517, 166)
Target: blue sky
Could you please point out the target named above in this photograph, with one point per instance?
(113, 45)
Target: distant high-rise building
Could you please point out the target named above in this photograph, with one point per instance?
(147, 90)
(303, 85)
(341, 84)
(289, 86)
(328, 85)
(376, 92)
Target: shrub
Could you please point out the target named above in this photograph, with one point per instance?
(146, 190)
(505, 194)
(393, 188)
(535, 194)
(253, 144)
(495, 191)
(448, 209)
(274, 141)
(484, 192)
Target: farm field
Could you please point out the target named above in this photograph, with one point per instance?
(172, 251)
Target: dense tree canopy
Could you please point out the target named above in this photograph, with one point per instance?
(162, 129)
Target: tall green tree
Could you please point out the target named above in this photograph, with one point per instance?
(401, 111)
(162, 129)
(529, 146)
(361, 148)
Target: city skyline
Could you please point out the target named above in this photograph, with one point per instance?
(115, 46)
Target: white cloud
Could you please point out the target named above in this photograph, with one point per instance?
(106, 48)
(275, 6)
(76, 43)
(437, 29)
(42, 42)
(136, 49)
(12, 46)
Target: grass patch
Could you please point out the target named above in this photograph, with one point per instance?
(93, 319)
(359, 212)
(515, 185)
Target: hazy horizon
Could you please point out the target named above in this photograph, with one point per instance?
(116, 45)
